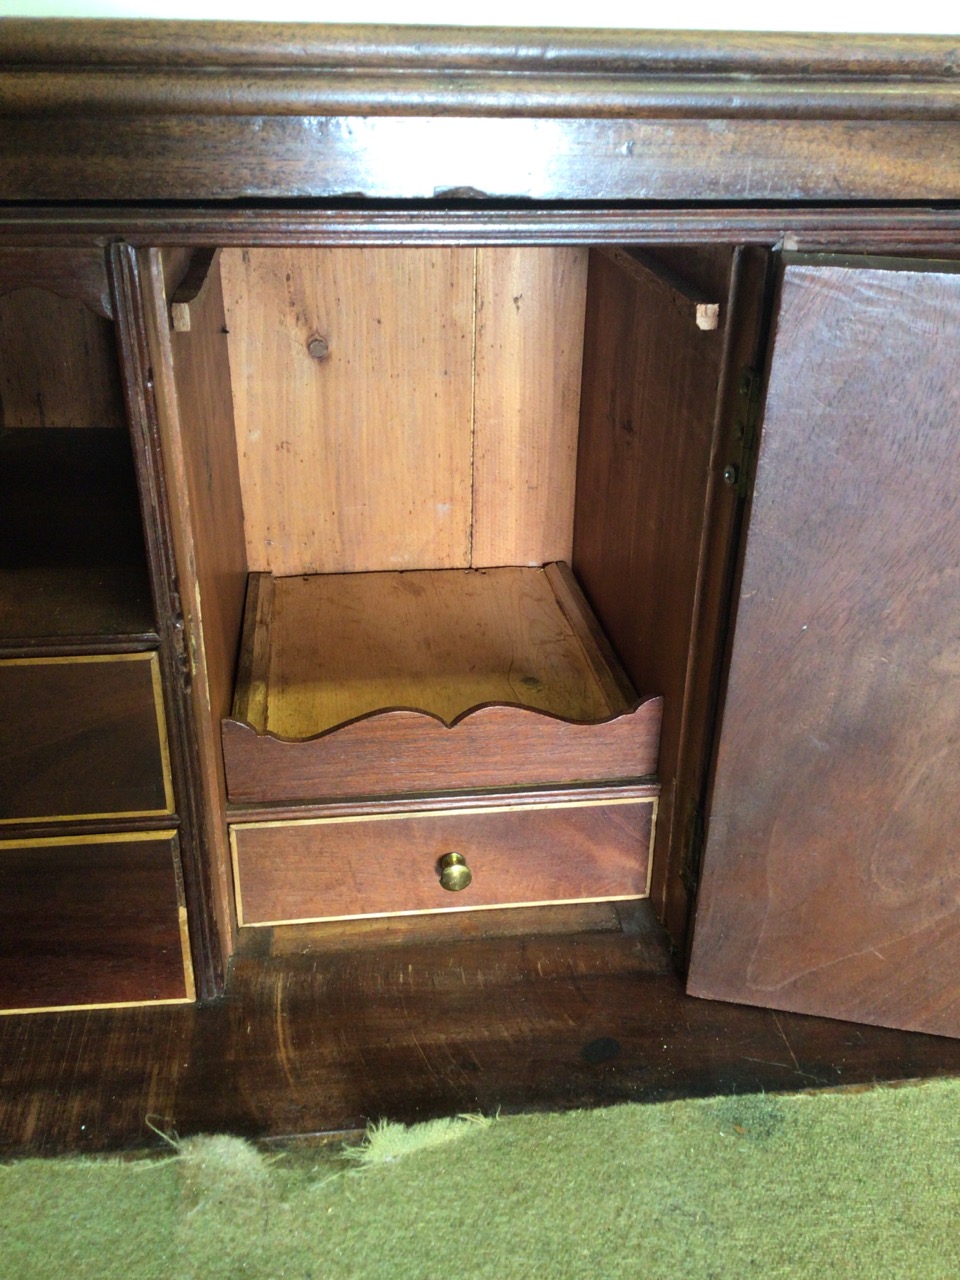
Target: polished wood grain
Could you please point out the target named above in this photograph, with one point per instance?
(529, 339)
(513, 1011)
(265, 68)
(73, 567)
(928, 230)
(90, 920)
(83, 736)
(830, 870)
(382, 113)
(282, 44)
(330, 648)
(423, 158)
(649, 419)
(59, 362)
(446, 801)
(192, 378)
(338, 868)
(360, 460)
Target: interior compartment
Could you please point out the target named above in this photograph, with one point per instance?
(72, 561)
(458, 677)
(360, 427)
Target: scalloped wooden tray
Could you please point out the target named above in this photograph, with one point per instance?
(354, 685)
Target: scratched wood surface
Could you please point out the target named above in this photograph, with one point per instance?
(583, 1010)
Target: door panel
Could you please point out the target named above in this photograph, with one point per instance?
(831, 876)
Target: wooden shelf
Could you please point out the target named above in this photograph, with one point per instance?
(492, 677)
(72, 561)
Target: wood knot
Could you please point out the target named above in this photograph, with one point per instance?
(318, 346)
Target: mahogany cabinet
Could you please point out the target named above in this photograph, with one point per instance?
(540, 487)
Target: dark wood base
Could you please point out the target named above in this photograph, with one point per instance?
(419, 1018)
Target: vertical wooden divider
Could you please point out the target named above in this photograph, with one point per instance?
(194, 401)
(649, 422)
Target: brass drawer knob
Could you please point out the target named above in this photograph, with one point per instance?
(454, 872)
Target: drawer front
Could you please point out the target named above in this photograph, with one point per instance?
(341, 868)
(92, 921)
(84, 737)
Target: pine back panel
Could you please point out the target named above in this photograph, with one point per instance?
(439, 430)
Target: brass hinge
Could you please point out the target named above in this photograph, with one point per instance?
(738, 473)
(693, 851)
(180, 649)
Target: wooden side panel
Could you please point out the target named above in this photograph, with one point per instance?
(831, 874)
(202, 373)
(530, 313)
(648, 425)
(91, 920)
(83, 736)
(336, 868)
(352, 385)
(58, 363)
(196, 418)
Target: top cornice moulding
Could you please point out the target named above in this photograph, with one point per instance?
(135, 67)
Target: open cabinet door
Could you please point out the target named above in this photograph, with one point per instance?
(831, 868)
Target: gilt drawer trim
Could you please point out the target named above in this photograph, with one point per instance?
(163, 743)
(436, 818)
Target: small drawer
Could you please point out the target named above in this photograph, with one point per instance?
(343, 868)
(84, 737)
(92, 921)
